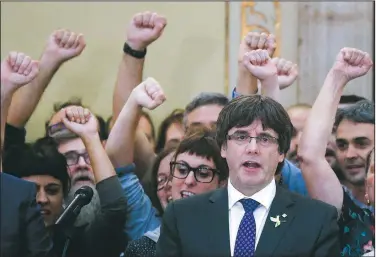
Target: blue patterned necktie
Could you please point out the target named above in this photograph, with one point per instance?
(246, 237)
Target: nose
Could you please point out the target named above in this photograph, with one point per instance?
(190, 179)
(82, 162)
(252, 147)
(42, 198)
(351, 152)
(168, 186)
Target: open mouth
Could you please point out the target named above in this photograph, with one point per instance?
(45, 212)
(82, 179)
(186, 194)
(251, 165)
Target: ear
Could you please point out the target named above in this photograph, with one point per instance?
(281, 157)
(224, 151)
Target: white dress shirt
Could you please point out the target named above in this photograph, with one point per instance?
(236, 211)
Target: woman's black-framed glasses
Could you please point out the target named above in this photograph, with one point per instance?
(202, 173)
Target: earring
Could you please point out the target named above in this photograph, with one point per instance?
(367, 199)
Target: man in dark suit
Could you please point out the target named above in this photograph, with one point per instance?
(23, 233)
(252, 216)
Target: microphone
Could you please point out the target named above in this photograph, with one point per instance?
(82, 197)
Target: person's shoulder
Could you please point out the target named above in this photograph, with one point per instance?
(198, 200)
(310, 204)
(9, 182)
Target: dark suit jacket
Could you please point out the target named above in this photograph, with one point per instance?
(199, 226)
(23, 232)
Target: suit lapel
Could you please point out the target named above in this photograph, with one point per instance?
(219, 224)
(272, 235)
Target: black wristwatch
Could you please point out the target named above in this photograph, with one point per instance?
(134, 53)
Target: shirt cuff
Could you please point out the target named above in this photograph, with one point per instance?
(125, 169)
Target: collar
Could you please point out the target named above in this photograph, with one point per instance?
(265, 196)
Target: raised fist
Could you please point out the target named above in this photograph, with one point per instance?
(149, 94)
(64, 45)
(287, 72)
(352, 63)
(18, 70)
(259, 64)
(256, 40)
(144, 29)
(80, 121)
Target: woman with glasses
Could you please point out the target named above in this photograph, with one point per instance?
(196, 167)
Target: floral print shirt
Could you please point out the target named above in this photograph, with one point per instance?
(356, 226)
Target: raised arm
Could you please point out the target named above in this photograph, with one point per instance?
(321, 181)
(247, 83)
(148, 94)
(62, 46)
(143, 29)
(259, 64)
(17, 70)
(84, 124)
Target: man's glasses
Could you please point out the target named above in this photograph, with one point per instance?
(203, 174)
(242, 139)
(73, 157)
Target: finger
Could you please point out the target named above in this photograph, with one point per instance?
(265, 56)
(81, 44)
(247, 61)
(137, 19)
(58, 35)
(345, 54)
(87, 114)
(25, 63)
(81, 117)
(19, 60)
(255, 39)
(146, 19)
(271, 44)
(248, 38)
(353, 55)
(32, 70)
(65, 38)
(359, 58)
(258, 56)
(152, 20)
(76, 115)
(287, 67)
(12, 58)
(280, 65)
(262, 41)
(71, 40)
(160, 23)
(69, 113)
(252, 58)
(67, 123)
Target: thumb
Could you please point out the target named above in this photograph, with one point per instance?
(248, 64)
(68, 124)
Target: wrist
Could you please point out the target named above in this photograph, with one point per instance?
(270, 81)
(51, 60)
(136, 45)
(338, 78)
(89, 138)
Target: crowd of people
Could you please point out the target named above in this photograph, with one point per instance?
(221, 177)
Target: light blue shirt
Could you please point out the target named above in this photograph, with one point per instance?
(141, 215)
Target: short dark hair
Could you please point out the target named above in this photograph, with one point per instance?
(148, 118)
(201, 142)
(39, 158)
(350, 99)
(360, 112)
(205, 98)
(176, 116)
(244, 110)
